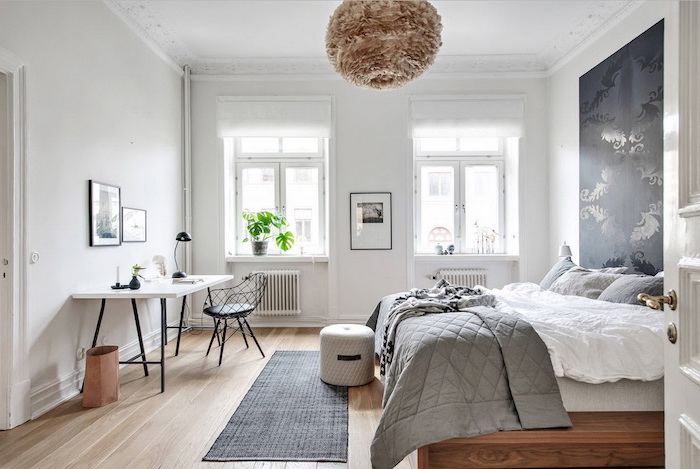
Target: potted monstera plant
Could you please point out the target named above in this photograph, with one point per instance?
(261, 226)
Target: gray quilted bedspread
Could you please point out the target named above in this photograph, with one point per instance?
(462, 374)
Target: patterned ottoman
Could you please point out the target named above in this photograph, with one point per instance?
(347, 354)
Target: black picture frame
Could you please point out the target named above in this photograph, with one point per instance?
(104, 211)
(134, 225)
(370, 221)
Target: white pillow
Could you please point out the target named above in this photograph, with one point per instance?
(609, 270)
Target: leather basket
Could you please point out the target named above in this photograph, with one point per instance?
(101, 376)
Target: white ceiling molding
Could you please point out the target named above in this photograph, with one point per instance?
(555, 64)
(144, 17)
(143, 20)
(265, 66)
(487, 64)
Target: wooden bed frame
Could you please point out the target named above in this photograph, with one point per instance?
(597, 439)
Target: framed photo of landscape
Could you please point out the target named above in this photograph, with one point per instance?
(370, 220)
(133, 225)
(104, 211)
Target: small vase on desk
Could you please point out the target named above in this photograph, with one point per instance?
(134, 284)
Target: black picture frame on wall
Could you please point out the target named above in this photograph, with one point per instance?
(370, 221)
(134, 225)
(104, 211)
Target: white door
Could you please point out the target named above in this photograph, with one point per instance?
(682, 236)
(5, 248)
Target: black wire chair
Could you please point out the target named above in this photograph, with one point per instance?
(227, 304)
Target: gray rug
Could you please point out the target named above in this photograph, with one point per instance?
(288, 414)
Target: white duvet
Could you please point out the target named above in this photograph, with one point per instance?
(590, 340)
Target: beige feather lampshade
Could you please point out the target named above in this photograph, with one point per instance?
(383, 44)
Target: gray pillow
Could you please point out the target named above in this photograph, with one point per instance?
(556, 271)
(583, 282)
(626, 288)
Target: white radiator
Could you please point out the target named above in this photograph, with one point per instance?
(282, 296)
(464, 277)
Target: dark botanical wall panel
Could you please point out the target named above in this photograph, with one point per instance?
(621, 159)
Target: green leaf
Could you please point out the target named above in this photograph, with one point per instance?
(285, 240)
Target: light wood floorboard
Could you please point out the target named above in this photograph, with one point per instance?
(146, 429)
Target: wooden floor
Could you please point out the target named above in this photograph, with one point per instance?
(147, 429)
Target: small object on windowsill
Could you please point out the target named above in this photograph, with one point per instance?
(188, 280)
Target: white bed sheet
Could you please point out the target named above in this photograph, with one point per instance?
(588, 340)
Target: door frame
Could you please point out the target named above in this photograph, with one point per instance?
(14, 371)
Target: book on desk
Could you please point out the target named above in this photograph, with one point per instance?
(187, 280)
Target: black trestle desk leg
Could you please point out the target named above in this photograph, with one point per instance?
(99, 322)
(97, 331)
(182, 319)
(138, 333)
(163, 334)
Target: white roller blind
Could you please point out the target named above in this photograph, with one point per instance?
(463, 116)
(264, 116)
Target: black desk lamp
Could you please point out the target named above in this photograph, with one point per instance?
(185, 237)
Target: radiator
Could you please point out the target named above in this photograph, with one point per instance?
(464, 277)
(282, 296)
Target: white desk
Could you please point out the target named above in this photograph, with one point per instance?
(162, 290)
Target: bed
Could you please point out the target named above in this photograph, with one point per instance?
(606, 357)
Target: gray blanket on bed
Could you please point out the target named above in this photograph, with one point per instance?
(462, 374)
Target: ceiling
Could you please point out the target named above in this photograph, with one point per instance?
(278, 37)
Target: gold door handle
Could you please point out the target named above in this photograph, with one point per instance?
(672, 332)
(655, 302)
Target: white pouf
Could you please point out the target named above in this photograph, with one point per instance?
(347, 354)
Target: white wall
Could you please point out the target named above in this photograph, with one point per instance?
(564, 122)
(370, 152)
(101, 105)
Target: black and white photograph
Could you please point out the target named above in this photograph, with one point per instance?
(370, 220)
(105, 214)
(133, 225)
(372, 212)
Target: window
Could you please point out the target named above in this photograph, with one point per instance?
(286, 175)
(288, 146)
(440, 183)
(459, 146)
(460, 197)
(302, 220)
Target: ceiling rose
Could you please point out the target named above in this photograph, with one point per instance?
(383, 44)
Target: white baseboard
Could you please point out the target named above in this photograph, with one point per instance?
(15, 410)
(67, 386)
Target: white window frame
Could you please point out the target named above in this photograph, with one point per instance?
(459, 163)
(419, 152)
(240, 155)
(279, 162)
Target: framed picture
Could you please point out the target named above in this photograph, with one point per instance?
(133, 225)
(370, 220)
(105, 214)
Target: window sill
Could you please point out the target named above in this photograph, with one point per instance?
(277, 259)
(466, 258)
